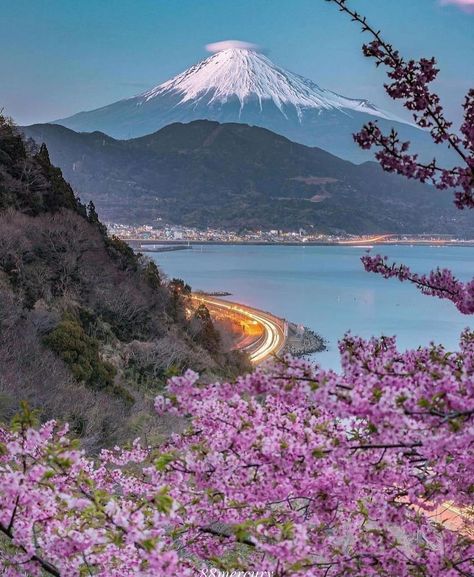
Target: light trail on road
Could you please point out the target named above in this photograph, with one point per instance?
(362, 241)
(274, 334)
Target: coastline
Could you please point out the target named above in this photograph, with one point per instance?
(302, 341)
(274, 330)
(279, 336)
(137, 243)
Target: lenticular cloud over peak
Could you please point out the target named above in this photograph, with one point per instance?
(231, 44)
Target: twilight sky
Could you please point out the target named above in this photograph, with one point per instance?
(58, 57)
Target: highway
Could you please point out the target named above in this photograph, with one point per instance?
(274, 329)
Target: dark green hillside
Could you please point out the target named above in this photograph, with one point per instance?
(89, 330)
(238, 176)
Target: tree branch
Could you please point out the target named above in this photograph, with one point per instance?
(45, 565)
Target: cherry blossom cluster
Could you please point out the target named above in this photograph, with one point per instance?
(64, 515)
(393, 157)
(409, 82)
(291, 470)
(439, 283)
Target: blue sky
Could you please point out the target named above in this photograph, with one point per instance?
(58, 57)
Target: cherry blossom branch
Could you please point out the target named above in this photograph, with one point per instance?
(439, 283)
(416, 76)
(45, 565)
(409, 82)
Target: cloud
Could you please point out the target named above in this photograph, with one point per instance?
(227, 44)
(466, 5)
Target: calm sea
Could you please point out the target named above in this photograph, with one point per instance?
(326, 289)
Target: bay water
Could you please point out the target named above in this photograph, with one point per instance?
(326, 289)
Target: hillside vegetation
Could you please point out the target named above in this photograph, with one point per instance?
(89, 330)
(242, 177)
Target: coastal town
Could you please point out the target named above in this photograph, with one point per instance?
(148, 235)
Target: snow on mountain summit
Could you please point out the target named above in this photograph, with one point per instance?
(247, 74)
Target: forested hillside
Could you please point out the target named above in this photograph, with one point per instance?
(89, 330)
(243, 177)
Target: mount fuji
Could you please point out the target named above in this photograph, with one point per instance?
(242, 85)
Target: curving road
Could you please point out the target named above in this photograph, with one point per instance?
(274, 329)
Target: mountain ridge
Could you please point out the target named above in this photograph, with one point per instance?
(237, 176)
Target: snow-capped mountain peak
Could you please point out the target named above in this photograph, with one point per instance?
(247, 74)
(239, 84)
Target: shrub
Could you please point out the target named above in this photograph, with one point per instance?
(120, 250)
(81, 353)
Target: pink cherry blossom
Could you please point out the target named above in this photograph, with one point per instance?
(291, 469)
